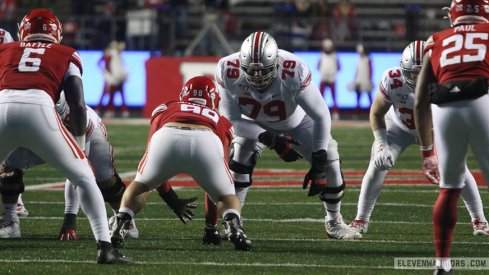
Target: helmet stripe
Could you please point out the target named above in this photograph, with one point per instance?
(417, 56)
(256, 46)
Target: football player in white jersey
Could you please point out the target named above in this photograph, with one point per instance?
(392, 123)
(268, 95)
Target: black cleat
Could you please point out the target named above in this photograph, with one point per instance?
(236, 235)
(211, 236)
(119, 230)
(106, 254)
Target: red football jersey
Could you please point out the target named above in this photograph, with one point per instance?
(36, 65)
(187, 112)
(460, 52)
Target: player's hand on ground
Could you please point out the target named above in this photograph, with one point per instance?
(67, 234)
(316, 176)
(282, 145)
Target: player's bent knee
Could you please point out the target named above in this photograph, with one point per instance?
(332, 194)
(12, 183)
(112, 189)
(241, 174)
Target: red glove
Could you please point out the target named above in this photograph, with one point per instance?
(68, 234)
(430, 164)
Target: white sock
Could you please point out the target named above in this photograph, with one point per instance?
(72, 200)
(241, 194)
(372, 184)
(472, 198)
(127, 210)
(443, 263)
(93, 206)
(10, 213)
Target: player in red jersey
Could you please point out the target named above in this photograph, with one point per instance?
(450, 112)
(188, 136)
(33, 71)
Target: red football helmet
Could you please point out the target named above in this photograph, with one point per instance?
(468, 12)
(40, 25)
(201, 90)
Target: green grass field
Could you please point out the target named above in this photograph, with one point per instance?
(285, 226)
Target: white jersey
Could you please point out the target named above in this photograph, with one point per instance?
(281, 107)
(394, 90)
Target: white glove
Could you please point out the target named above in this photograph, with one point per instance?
(382, 157)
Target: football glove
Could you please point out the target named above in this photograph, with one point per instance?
(67, 234)
(181, 207)
(317, 174)
(281, 144)
(430, 164)
(383, 158)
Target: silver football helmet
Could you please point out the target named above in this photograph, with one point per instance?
(411, 62)
(258, 59)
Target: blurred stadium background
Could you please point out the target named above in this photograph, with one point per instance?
(169, 41)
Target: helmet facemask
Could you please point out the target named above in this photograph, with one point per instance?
(258, 60)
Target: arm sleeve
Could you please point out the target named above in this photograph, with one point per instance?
(313, 104)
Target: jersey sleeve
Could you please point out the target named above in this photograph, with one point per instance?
(384, 86)
(305, 75)
(76, 59)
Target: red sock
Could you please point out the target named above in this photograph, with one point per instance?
(210, 212)
(444, 220)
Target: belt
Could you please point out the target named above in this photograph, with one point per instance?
(186, 128)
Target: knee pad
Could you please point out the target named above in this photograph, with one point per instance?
(112, 190)
(242, 174)
(332, 194)
(244, 155)
(12, 183)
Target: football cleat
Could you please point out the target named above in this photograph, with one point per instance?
(10, 230)
(106, 254)
(67, 234)
(236, 234)
(118, 230)
(359, 225)
(480, 227)
(338, 229)
(21, 211)
(132, 230)
(211, 236)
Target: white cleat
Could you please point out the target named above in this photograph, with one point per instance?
(10, 230)
(21, 211)
(132, 230)
(480, 228)
(338, 229)
(359, 225)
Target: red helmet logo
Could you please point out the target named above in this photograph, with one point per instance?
(40, 25)
(201, 90)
